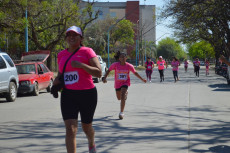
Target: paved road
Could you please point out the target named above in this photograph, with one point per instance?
(190, 116)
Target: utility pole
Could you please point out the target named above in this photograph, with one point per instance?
(26, 31)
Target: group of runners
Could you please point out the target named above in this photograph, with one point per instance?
(175, 63)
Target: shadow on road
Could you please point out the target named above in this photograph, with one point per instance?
(220, 87)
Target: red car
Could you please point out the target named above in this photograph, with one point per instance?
(33, 73)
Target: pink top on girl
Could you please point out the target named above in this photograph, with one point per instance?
(161, 65)
(76, 78)
(197, 63)
(175, 65)
(122, 73)
(149, 65)
(186, 63)
(207, 65)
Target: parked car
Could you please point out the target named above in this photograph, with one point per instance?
(202, 63)
(33, 73)
(103, 68)
(8, 78)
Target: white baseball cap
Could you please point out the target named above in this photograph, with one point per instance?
(160, 56)
(74, 29)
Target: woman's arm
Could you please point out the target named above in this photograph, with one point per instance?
(94, 68)
(137, 75)
(56, 80)
(106, 74)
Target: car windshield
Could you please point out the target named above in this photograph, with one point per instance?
(26, 69)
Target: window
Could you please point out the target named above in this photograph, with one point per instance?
(2, 63)
(44, 68)
(9, 61)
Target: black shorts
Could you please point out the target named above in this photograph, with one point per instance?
(74, 102)
(124, 86)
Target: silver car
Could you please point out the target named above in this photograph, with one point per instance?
(103, 69)
(8, 78)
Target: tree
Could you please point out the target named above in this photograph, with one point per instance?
(168, 48)
(201, 50)
(121, 35)
(47, 20)
(201, 20)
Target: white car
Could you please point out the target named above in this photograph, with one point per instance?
(103, 68)
(8, 78)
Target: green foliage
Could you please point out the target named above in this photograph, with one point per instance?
(168, 48)
(206, 20)
(201, 50)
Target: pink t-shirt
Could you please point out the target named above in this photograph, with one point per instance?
(186, 63)
(121, 73)
(161, 65)
(76, 78)
(196, 63)
(149, 65)
(175, 65)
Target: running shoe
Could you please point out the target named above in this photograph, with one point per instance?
(92, 149)
(121, 115)
(150, 81)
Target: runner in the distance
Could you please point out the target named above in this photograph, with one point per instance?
(175, 67)
(186, 65)
(161, 66)
(207, 66)
(196, 65)
(149, 65)
(122, 78)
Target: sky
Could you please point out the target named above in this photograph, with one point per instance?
(161, 30)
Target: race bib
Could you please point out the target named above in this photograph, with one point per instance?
(149, 67)
(122, 76)
(71, 77)
(161, 64)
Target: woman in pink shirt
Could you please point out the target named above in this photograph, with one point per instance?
(175, 67)
(185, 65)
(196, 65)
(161, 66)
(122, 78)
(149, 65)
(79, 94)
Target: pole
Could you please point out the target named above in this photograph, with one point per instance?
(145, 51)
(26, 32)
(136, 53)
(108, 48)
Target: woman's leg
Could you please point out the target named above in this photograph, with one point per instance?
(174, 75)
(89, 132)
(71, 132)
(150, 73)
(147, 74)
(123, 98)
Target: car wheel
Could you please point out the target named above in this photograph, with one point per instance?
(36, 91)
(12, 94)
(50, 85)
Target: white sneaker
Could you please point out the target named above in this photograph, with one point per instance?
(121, 115)
(150, 81)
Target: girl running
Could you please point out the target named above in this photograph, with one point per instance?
(196, 65)
(149, 65)
(161, 66)
(185, 65)
(207, 67)
(175, 67)
(122, 79)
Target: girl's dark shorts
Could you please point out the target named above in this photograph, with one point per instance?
(124, 86)
(74, 102)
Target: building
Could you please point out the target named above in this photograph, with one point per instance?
(143, 16)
